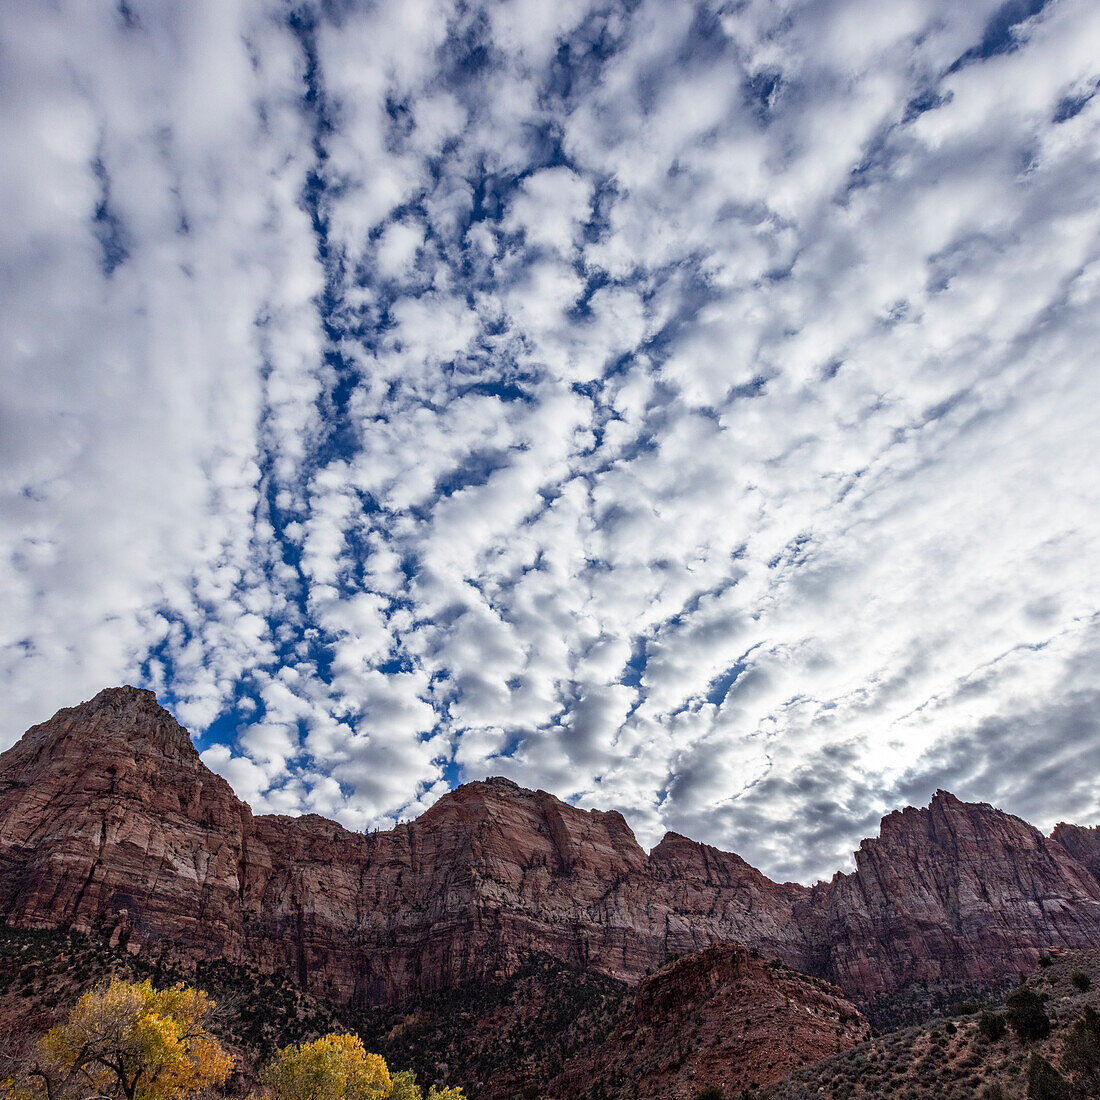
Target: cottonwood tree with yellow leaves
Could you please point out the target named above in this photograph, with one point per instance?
(334, 1067)
(337, 1067)
(129, 1041)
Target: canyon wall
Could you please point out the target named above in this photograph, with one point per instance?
(109, 821)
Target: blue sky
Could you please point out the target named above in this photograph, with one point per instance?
(686, 408)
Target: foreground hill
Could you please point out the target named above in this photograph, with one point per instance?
(109, 821)
(720, 1018)
(960, 1057)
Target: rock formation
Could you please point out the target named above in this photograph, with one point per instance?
(953, 892)
(1081, 843)
(721, 1018)
(109, 821)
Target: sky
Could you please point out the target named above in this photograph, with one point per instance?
(689, 409)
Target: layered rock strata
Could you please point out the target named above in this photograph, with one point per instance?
(1081, 843)
(109, 820)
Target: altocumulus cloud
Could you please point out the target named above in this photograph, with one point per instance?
(688, 408)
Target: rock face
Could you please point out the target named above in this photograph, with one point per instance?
(953, 892)
(107, 814)
(719, 1017)
(109, 820)
(1081, 843)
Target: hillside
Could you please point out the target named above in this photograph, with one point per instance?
(721, 1018)
(498, 1039)
(957, 1057)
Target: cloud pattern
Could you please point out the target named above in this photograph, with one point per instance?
(687, 408)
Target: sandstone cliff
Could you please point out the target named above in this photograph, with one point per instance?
(1081, 843)
(954, 891)
(109, 820)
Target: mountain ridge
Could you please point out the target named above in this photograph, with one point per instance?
(109, 820)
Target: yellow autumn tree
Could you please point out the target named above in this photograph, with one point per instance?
(337, 1067)
(334, 1067)
(131, 1041)
(406, 1088)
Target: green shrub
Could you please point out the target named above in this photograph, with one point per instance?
(1026, 1014)
(992, 1025)
(1044, 1082)
(1081, 1051)
(1082, 981)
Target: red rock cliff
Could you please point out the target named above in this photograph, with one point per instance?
(1081, 843)
(956, 891)
(109, 819)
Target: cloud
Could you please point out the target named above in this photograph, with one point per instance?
(685, 409)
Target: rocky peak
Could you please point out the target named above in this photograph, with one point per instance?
(947, 822)
(953, 881)
(516, 826)
(123, 699)
(1082, 843)
(678, 857)
(109, 818)
(119, 708)
(120, 720)
(503, 783)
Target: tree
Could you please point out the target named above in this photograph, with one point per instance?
(129, 1040)
(1044, 1082)
(334, 1067)
(1081, 1051)
(992, 1025)
(406, 1088)
(337, 1067)
(1026, 1014)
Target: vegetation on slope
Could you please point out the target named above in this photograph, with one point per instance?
(501, 1039)
(43, 972)
(507, 1040)
(1039, 1043)
(498, 1039)
(131, 1041)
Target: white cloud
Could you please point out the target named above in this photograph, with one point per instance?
(691, 416)
(397, 248)
(549, 209)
